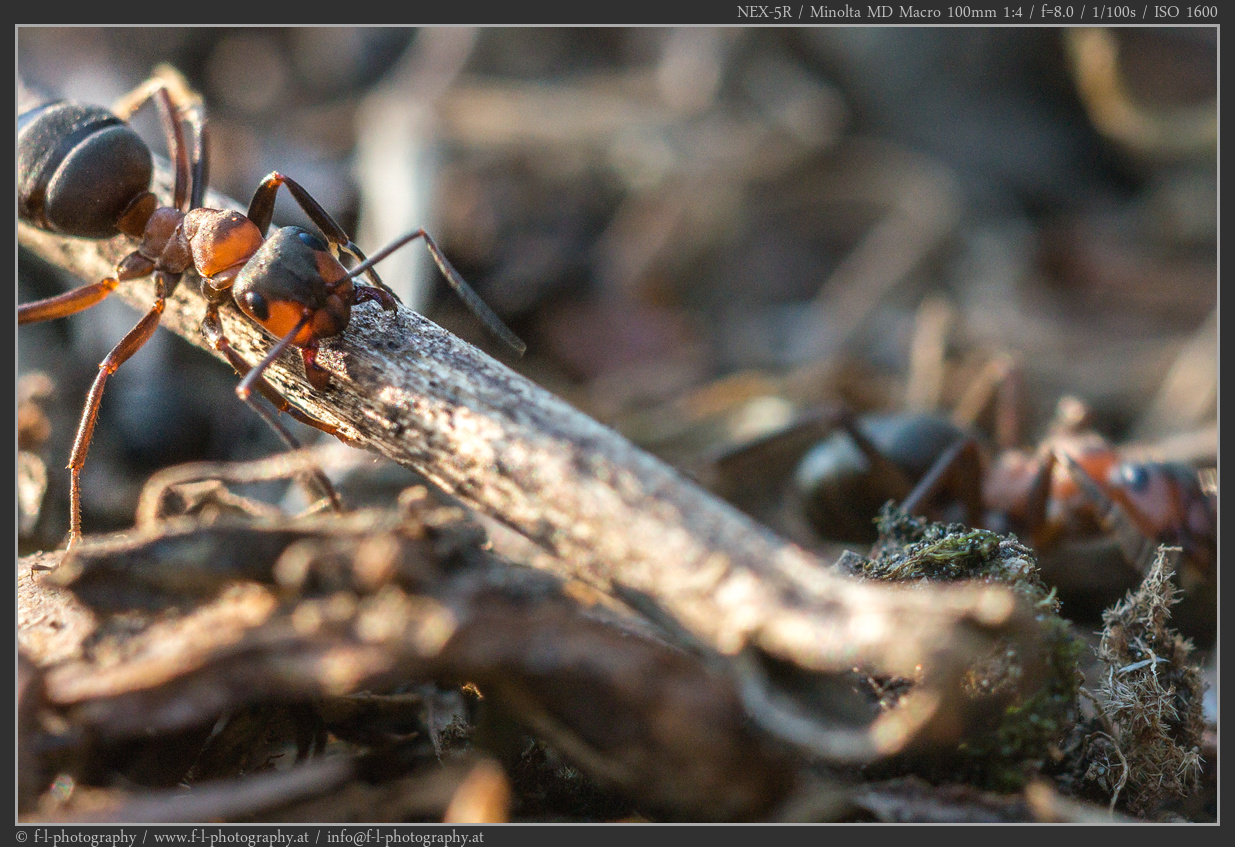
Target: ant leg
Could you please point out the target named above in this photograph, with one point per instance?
(176, 101)
(132, 266)
(997, 391)
(261, 207)
(932, 326)
(156, 90)
(1009, 410)
(1038, 498)
(320, 481)
(960, 469)
(192, 111)
(69, 303)
(163, 78)
(200, 165)
(130, 344)
(212, 329)
(884, 472)
(318, 376)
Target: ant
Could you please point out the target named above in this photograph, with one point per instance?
(83, 171)
(1075, 485)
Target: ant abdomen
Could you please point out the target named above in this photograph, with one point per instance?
(840, 488)
(79, 169)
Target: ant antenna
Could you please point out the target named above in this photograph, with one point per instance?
(469, 297)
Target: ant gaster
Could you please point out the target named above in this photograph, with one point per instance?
(83, 171)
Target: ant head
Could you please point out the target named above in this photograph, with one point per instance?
(1167, 497)
(294, 275)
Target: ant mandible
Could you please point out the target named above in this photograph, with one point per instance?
(83, 171)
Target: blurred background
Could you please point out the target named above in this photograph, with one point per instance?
(705, 236)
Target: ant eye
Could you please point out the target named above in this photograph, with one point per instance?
(311, 241)
(1134, 476)
(256, 305)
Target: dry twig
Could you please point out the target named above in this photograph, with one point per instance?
(608, 513)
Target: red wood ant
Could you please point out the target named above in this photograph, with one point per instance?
(1074, 490)
(83, 171)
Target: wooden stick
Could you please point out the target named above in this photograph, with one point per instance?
(607, 512)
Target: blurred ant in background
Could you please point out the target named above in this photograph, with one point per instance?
(83, 171)
(1095, 512)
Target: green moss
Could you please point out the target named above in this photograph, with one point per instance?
(1034, 722)
(913, 548)
(1025, 724)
